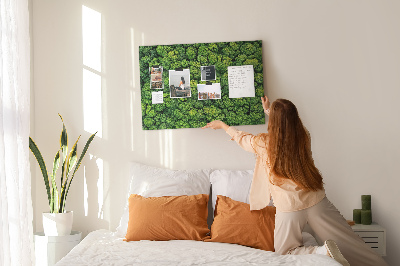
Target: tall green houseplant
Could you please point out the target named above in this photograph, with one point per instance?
(68, 161)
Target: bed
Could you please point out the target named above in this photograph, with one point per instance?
(200, 217)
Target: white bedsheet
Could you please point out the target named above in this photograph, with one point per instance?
(102, 247)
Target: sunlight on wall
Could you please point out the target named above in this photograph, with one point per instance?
(133, 57)
(100, 188)
(91, 36)
(168, 149)
(85, 192)
(92, 98)
(146, 146)
(132, 98)
(92, 102)
(91, 51)
(132, 92)
(165, 141)
(160, 141)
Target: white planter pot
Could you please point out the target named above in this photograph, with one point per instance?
(57, 224)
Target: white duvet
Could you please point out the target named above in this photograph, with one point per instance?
(103, 247)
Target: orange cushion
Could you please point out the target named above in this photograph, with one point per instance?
(235, 223)
(167, 218)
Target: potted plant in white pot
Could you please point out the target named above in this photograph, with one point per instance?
(58, 222)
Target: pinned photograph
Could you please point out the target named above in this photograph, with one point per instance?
(157, 85)
(208, 73)
(179, 83)
(209, 91)
(156, 70)
(156, 77)
(202, 92)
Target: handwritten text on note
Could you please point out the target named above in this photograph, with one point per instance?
(241, 81)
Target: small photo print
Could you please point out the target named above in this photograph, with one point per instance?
(157, 85)
(209, 92)
(208, 73)
(156, 70)
(179, 83)
(202, 95)
(156, 77)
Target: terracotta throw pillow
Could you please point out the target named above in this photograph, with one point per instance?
(167, 218)
(235, 223)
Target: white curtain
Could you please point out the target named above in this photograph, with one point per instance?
(16, 236)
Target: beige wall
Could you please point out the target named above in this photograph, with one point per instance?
(338, 61)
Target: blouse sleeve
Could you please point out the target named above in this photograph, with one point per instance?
(243, 139)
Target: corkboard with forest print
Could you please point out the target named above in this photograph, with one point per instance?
(189, 111)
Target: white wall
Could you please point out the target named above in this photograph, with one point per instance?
(338, 61)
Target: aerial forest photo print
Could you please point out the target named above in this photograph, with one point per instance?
(181, 106)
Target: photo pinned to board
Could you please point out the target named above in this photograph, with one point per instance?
(208, 73)
(209, 91)
(179, 83)
(156, 77)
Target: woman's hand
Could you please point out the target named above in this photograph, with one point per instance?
(216, 124)
(265, 104)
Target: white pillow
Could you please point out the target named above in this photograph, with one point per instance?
(234, 184)
(149, 181)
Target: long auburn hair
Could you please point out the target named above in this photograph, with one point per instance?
(289, 147)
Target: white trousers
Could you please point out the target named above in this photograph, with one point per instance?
(327, 223)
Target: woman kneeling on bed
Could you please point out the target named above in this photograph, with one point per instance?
(285, 170)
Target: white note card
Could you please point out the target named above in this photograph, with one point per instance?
(157, 97)
(241, 81)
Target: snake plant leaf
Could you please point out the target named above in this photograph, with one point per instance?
(54, 199)
(63, 195)
(68, 162)
(56, 164)
(64, 147)
(63, 138)
(72, 157)
(77, 165)
(39, 158)
(71, 161)
(54, 192)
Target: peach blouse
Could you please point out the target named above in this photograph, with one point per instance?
(288, 196)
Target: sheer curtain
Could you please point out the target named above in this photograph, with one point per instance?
(16, 236)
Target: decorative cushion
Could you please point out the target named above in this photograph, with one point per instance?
(235, 223)
(167, 218)
(149, 181)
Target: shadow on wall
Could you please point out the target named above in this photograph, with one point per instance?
(89, 190)
(99, 192)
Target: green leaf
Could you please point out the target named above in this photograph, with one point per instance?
(71, 161)
(56, 164)
(63, 199)
(42, 165)
(72, 157)
(64, 139)
(54, 200)
(64, 147)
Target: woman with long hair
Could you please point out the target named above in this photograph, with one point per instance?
(285, 171)
(182, 83)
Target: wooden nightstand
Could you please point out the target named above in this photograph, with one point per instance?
(373, 235)
(50, 249)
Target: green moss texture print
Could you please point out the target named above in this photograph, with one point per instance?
(188, 85)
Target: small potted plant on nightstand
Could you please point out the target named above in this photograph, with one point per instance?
(58, 222)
